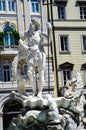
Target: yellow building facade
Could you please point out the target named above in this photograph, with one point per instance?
(69, 24)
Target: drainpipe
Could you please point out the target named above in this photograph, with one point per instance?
(54, 45)
(48, 19)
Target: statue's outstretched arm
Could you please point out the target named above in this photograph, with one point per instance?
(49, 34)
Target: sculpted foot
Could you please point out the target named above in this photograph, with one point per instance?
(39, 94)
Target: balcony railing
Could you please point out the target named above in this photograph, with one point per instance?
(8, 47)
(8, 85)
(6, 50)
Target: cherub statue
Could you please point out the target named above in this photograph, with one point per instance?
(34, 53)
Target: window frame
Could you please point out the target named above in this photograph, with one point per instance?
(82, 16)
(65, 81)
(3, 7)
(83, 50)
(9, 34)
(85, 75)
(59, 8)
(64, 43)
(8, 72)
(34, 3)
(11, 5)
(8, 30)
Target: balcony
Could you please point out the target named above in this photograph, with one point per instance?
(8, 85)
(8, 50)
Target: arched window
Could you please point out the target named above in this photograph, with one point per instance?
(66, 69)
(10, 110)
(8, 37)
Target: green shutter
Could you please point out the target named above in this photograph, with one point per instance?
(1, 38)
(16, 37)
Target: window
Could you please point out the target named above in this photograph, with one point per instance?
(35, 6)
(66, 74)
(85, 75)
(64, 46)
(2, 5)
(83, 68)
(61, 12)
(6, 73)
(11, 5)
(84, 43)
(8, 38)
(83, 12)
(66, 69)
(84, 110)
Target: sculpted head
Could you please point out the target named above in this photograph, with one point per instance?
(35, 24)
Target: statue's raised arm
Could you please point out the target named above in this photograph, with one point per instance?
(47, 35)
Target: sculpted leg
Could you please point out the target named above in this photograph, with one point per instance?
(40, 83)
(21, 87)
(32, 79)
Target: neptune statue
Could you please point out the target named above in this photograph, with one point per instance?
(33, 54)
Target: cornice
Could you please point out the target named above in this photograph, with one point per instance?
(57, 28)
(8, 15)
(69, 20)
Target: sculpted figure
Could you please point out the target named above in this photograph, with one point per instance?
(74, 92)
(34, 53)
